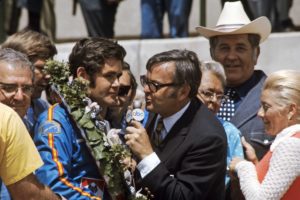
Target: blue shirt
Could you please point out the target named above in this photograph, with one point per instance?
(234, 148)
(243, 89)
(36, 108)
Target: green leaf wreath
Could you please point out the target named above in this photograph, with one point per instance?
(108, 156)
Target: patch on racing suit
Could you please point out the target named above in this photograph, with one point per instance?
(95, 185)
(49, 127)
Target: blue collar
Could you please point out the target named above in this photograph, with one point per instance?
(243, 89)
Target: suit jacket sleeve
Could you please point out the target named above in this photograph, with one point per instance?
(200, 162)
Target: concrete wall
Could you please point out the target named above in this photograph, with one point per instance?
(279, 51)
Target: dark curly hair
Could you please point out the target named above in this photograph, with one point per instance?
(91, 54)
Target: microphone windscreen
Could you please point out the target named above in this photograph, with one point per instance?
(138, 114)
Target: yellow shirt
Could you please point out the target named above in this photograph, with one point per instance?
(18, 154)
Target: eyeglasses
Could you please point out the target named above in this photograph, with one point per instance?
(209, 95)
(124, 90)
(12, 89)
(153, 86)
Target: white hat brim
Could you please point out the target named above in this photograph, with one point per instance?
(260, 26)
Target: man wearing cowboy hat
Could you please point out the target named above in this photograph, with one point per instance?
(234, 42)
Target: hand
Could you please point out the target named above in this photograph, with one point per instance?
(234, 162)
(249, 151)
(138, 141)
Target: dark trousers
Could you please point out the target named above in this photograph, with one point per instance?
(153, 13)
(99, 17)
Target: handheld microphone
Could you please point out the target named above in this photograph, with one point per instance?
(137, 113)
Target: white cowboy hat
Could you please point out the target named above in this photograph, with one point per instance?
(234, 20)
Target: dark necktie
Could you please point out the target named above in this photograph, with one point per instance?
(227, 109)
(157, 132)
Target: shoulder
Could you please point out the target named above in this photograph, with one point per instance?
(231, 129)
(7, 112)
(52, 120)
(54, 112)
(288, 149)
(288, 145)
(40, 105)
(9, 118)
(206, 124)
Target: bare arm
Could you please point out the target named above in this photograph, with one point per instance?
(30, 188)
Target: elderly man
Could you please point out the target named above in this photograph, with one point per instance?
(16, 77)
(234, 42)
(182, 153)
(38, 48)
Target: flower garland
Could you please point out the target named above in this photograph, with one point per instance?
(107, 151)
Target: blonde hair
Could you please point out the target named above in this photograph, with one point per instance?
(35, 45)
(286, 83)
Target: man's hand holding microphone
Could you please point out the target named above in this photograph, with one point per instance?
(136, 136)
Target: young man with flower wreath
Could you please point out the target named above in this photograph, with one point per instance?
(70, 170)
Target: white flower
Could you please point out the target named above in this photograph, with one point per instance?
(113, 137)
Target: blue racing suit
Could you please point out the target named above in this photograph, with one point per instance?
(69, 169)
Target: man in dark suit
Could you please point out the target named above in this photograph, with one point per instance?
(186, 158)
(234, 42)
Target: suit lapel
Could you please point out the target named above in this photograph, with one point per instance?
(248, 108)
(177, 133)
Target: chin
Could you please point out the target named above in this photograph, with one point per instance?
(113, 103)
(271, 132)
(149, 107)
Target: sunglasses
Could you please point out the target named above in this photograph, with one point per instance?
(123, 90)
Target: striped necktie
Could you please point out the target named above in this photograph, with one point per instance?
(158, 130)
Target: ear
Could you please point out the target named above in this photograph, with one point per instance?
(81, 72)
(292, 111)
(183, 92)
(256, 54)
(212, 55)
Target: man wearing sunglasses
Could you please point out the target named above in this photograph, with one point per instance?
(182, 152)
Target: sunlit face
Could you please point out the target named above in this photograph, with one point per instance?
(125, 97)
(211, 91)
(41, 80)
(107, 84)
(15, 87)
(274, 116)
(237, 56)
(164, 100)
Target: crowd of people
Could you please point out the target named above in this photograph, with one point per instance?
(217, 129)
(100, 16)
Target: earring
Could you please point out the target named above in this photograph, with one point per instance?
(290, 116)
